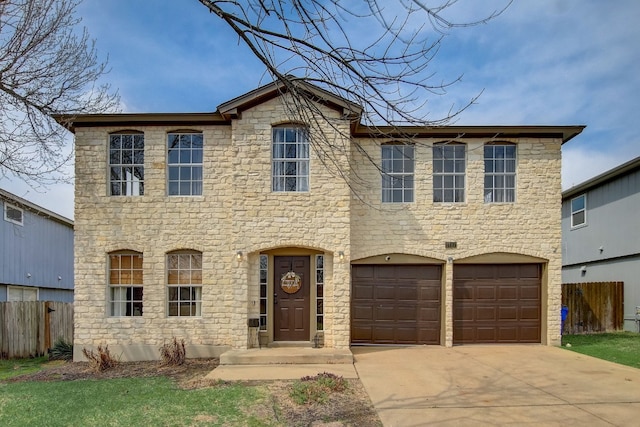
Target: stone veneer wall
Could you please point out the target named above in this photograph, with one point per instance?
(237, 211)
(530, 226)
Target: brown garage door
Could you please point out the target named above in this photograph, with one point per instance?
(395, 304)
(496, 303)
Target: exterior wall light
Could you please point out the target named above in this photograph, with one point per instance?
(341, 255)
(239, 255)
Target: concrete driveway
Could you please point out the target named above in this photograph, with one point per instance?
(497, 386)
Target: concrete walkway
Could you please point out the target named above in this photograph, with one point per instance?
(497, 386)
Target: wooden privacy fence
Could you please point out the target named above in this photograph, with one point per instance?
(30, 328)
(593, 307)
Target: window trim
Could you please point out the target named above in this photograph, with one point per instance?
(132, 302)
(195, 303)
(504, 173)
(133, 165)
(402, 175)
(8, 206)
(298, 160)
(22, 289)
(584, 209)
(453, 174)
(180, 165)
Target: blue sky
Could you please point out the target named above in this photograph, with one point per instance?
(552, 62)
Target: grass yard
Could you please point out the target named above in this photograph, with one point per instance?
(127, 402)
(15, 367)
(618, 347)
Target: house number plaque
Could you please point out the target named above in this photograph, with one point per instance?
(290, 282)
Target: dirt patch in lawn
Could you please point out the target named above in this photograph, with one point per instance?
(351, 407)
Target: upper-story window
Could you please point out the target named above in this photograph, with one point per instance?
(579, 211)
(125, 284)
(499, 173)
(449, 167)
(397, 173)
(13, 214)
(184, 159)
(290, 158)
(126, 164)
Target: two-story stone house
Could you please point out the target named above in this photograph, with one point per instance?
(198, 226)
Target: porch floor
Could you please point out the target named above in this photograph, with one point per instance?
(284, 363)
(287, 356)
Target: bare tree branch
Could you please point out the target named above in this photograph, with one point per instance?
(376, 54)
(47, 66)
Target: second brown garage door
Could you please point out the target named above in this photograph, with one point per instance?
(496, 303)
(395, 304)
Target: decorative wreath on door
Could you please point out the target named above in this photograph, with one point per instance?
(290, 282)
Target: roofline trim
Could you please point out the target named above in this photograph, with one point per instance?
(603, 177)
(23, 203)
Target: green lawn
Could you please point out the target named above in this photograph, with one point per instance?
(14, 367)
(619, 347)
(128, 402)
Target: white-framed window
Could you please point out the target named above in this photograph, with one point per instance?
(449, 168)
(319, 292)
(126, 164)
(184, 164)
(499, 173)
(125, 284)
(264, 274)
(13, 214)
(397, 173)
(184, 284)
(22, 293)
(290, 159)
(579, 211)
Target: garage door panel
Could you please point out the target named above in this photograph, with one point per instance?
(530, 292)
(403, 301)
(530, 313)
(508, 313)
(508, 292)
(486, 314)
(485, 293)
(513, 315)
(430, 314)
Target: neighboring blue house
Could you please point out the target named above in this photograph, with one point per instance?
(601, 233)
(36, 252)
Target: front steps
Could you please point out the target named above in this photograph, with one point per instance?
(287, 355)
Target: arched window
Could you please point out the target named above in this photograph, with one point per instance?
(397, 173)
(290, 158)
(184, 283)
(500, 173)
(449, 168)
(126, 163)
(125, 283)
(184, 163)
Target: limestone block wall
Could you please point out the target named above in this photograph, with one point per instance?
(236, 212)
(530, 226)
(318, 219)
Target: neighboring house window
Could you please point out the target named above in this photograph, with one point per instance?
(126, 164)
(449, 168)
(22, 293)
(184, 158)
(290, 159)
(579, 211)
(125, 284)
(320, 292)
(184, 283)
(499, 173)
(13, 214)
(397, 173)
(264, 274)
